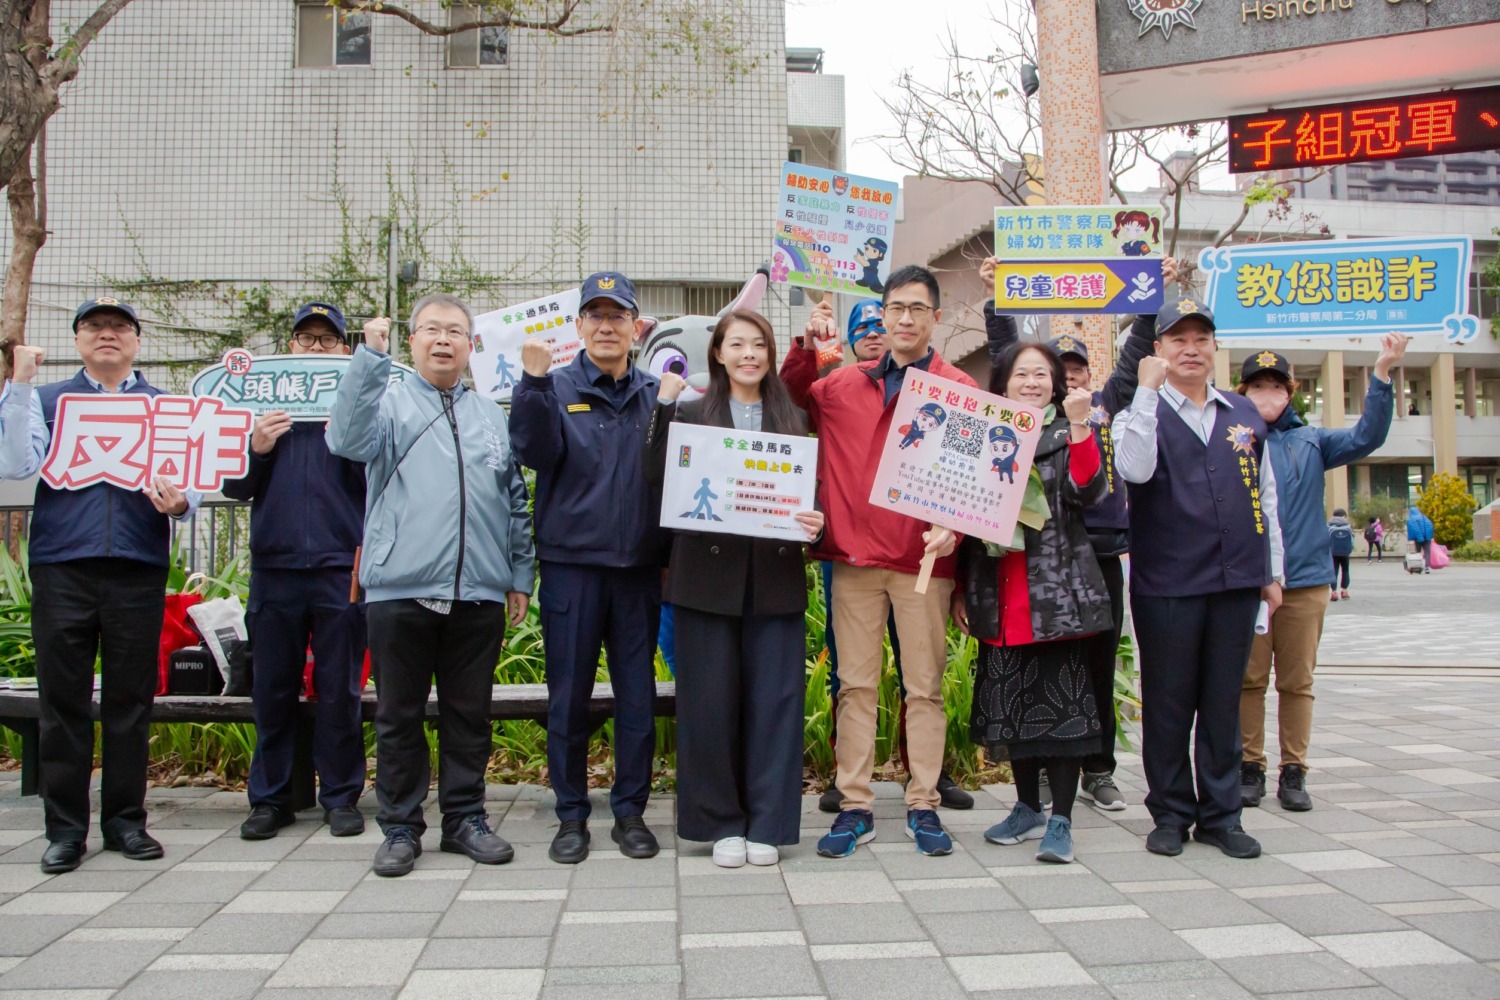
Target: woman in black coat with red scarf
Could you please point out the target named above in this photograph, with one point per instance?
(740, 632)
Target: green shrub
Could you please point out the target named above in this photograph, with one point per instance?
(1486, 551)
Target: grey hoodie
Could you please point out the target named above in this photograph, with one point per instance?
(440, 523)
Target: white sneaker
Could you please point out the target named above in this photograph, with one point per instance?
(730, 852)
(761, 854)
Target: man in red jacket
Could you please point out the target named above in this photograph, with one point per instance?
(876, 555)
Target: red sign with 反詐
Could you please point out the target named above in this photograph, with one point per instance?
(1453, 121)
(127, 440)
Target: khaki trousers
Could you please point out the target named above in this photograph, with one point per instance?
(1291, 648)
(863, 596)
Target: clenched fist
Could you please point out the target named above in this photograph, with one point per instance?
(1169, 270)
(536, 357)
(987, 273)
(819, 325)
(26, 362)
(1076, 404)
(1152, 373)
(378, 334)
(671, 387)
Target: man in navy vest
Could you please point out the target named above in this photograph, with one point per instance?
(98, 573)
(1205, 552)
(581, 427)
(307, 518)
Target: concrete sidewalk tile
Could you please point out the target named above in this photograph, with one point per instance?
(397, 895)
(409, 924)
(1475, 934)
(1110, 942)
(604, 870)
(742, 939)
(223, 866)
(1390, 948)
(1246, 940)
(1008, 972)
(284, 901)
(619, 944)
(83, 965)
(194, 887)
(1285, 891)
(1329, 914)
(499, 952)
(1425, 908)
(1085, 889)
(1420, 982)
(579, 917)
(841, 887)
(60, 904)
(173, 934)
(27, 935)
(747, 913)
(890, 979)
(485, 919)
(249, 933)
(989, 898)
(873, 952)
(1331, 861)
(633, 991)
(473, 984)
(993, 933)
(1076, 914)
(1316, 970)
(1221, 988)
(1155, 972)
(219, 984)
(312, 876)
(1387, 885)
(56, 994)
(1213, 907)
(755, 972)
(838, 924)
(639, 898)
(721, 885)
(1453, 869)
(614, 974)
(346, 963)
(512, 895)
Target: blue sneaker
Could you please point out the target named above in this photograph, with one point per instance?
(924, 827)
(852, 828)
(1057, 845)
(1023, 823)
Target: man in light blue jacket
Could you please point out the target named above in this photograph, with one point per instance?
(447, 553)
(1299, 455)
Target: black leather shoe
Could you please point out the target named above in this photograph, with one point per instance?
(136, 845)
(63, 856)
(1234, 842)
(1291, 790)
(952, 794)
(264, 821)
(343, 821)
(831, 801)
(1165, 840)
(1252, 785)
(634, 837)
(399, 854)
(571, 845)
(475, 838)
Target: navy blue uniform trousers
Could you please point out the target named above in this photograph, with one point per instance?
(1194, 651)
(582, 608)
(288, 609)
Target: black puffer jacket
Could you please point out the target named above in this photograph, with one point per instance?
(1067, 591)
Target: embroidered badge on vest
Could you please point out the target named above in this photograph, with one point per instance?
(1242, 438)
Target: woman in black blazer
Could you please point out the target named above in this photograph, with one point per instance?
(739, 604)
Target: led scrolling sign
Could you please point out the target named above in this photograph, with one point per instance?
(1452, 121)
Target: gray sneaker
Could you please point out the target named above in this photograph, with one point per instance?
(1023, 823)
(1099, 788)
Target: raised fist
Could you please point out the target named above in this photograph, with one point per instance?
(378, 334)
(819, 325)
(1152, 373)
(671, 387)
(987, 273)
(1076, 404)
(536, 357)
(1169, 270)
(27, 360)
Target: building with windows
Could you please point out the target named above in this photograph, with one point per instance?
(218, 161)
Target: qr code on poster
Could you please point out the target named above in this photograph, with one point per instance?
(964, 434)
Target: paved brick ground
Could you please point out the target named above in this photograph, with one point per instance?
(1390, 887)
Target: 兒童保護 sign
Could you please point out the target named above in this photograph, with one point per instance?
(1078, 259)
(1326, 288)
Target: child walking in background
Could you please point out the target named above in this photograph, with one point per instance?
(1341, 543)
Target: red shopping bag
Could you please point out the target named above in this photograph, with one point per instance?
(310, 691)
(177, 632)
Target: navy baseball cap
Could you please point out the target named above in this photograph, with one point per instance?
(101, 304)
(864, 318)
(1265, 361)
(321, 310)
(1068, 344)
(1173, 313)
(608, 285)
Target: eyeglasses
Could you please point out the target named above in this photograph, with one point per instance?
(612, 318)
(328, 341)
(895, 310)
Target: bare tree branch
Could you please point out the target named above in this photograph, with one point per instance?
(502, 19)
(64, 65)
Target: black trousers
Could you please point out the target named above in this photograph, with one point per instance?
(740, 696)
(288, 609)
(1099, 656)
(1340, 566)
(112, 609)
(584, 607)
(1194, 651)
(409, 646)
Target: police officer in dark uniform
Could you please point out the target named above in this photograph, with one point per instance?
(1205, 552)
(307, 518)
(99, 558)
(601, 554)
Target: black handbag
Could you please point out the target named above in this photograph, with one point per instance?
(193, 671)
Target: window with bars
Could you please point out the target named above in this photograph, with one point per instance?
(327, 37)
